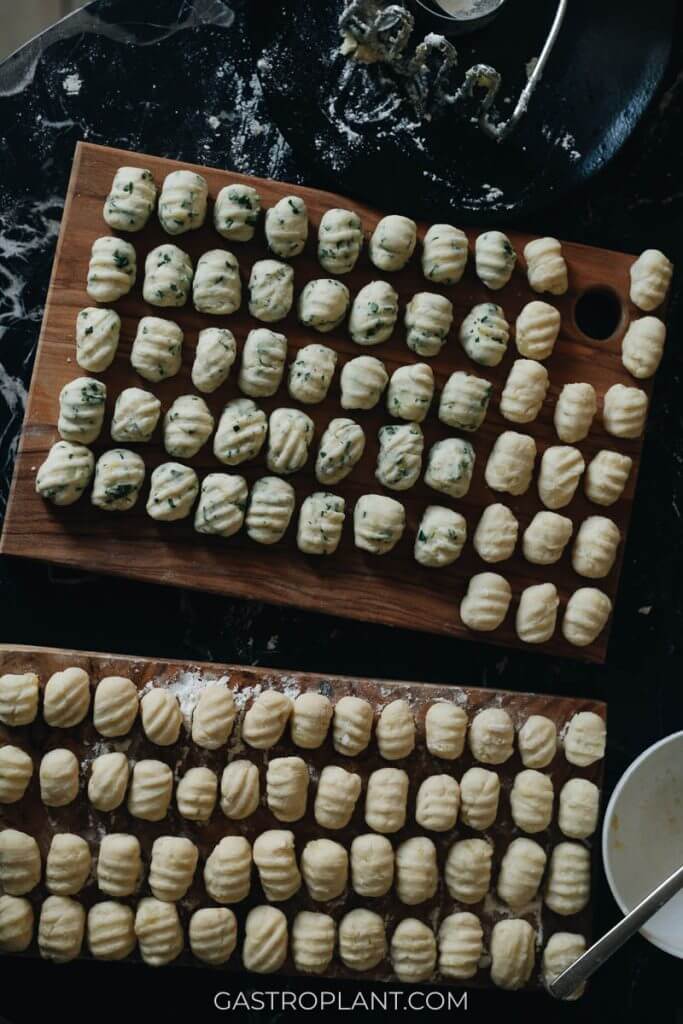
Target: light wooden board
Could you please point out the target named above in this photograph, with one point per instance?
(187, 680)
(392, 589)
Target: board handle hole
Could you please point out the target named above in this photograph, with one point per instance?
(598, 313)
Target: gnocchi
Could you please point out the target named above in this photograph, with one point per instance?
(19, 693)
(585, 738)
(378, 523)
(20, 863)
(265, 940)
(486, 602)
(574, 412)
(81, 410)
(513, 953)
(524, 392)
(651, 276)
(168, 276)
(606, 477)
(484, 334)
(115, 706)
(579, 807)
(461, 944)
(643, 346)
(437, 803)
(562, 949)
(271, 290)
(392, 243)
(399, 461)
(136, 415)
(413, 951)
(275, 859)
(16, 770)
(531, 801)
(537, 329)
(236, 212)
(270, 509)
(158, 931)
(240, 789)
(479, 796)
(496, 535)
(196, 794)
(336, 797)
(215, 353)
(321, 520)
(182, 203)
(445, 728)
(110, 930)
(16, 924)
(340, 240)
(58, 776)
(313, 939)
(287, 227)
(227, 872)
(131, 199)
(323, 304)
(372, 865)
(217, 288)
(351, 725)
(311, 717)
(492, 736)
(546, 537)
(586, 615)
(537, 741)
(112, 269)
(624, 411)
(213, 934)
(150, 790)
(386, 800)
(521, 871)
(161, 716)
(61, 929)
(395, 733)
(468, 870)
(441, 536)
(362, 940)
(119, 475)
(546, 266)
(464, 401)
(157, 352)
(450, 466)
(310, 375)
(511, 463)
(428, 319)
(568, 884)
(595, 547)
(373, 314)
(263, 363)
(108, 781)
(537, 613)
(65, 473)
(97, 338)
(119, 864)
(410, 393)
(341, 448)
(266, 719)
(562, 466)
(287, 788)
(363, 381)
(495, 259)
(325, 869)
(68, 864)
(241, 432)
(66, 698)
(222, 504)
(444, 254)
(172, 867)
(289, 438)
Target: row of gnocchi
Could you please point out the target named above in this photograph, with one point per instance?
(324, 303)
(113, 930)
(412, 869)
(117, 701)
(440, 799)
(183, 206)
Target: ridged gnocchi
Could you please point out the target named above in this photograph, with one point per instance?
(575, 409)
(108, 782)
(310, 721)
(511, 463)
(222, 505)
(537, 741)
(496, 535)
(217, 288)
(66, 698)
(399, 461)
(119, 864)
(110, 930)
(562, 949)
(270, 509)
(172, 867)
(537, 329)
(275, 859)
(537, 613)
(97, 338)
(521, 871)
(20, 863)
(323, 304)
(59, 777)
(363, 381)
(157, 350)
(16, 769)
(491, 736)
(395, 732)
(468, 870)
(567, 889)
(115, 706)
(271, 290)
(624, 411)
(213, 717)
(378, 523)
(428, 319)
(68, 864)
(562, 467)
(362, 940)
(595, 547)
(227, 871)
(464, 401)
(373, 314)
(131, 199)
(65, 473)
(479, 796)
(584, 739)
(168, 276)
(336, 797)
(531, 801)
(16, 924)
(158, 931)
(240, 789)
(651, 276)
(313, 939)
(546, 266)
(484, 334)
(196, 794)
(392, 243)
(136, 415)
(513, 953)
(413, 951)
(266, 719)
(325, 869)
(585, 616)
(524, 392)
(321, 519)
(19, 693)
(437, 803)
(236, 212)
(579, 808)
(61, 929)
(372, 865)
(445, 729)
(213, 934)
(150, 790)
(290, 433)
(263, 363)
(606, 477)
(182, 203)
(161, 716)
(119, 476)
(81, 410)
(643, 346)
(461, 944)
(386, 800)
(213, 358)
(495, 259)
(546, 537)
(287, 227)
(486, 602)
(351, 725)
(287, 788)
(340, 240)
(265, 940)
(341, 448)
(112, 269)
(310, 375)
(444, 254)
(241, 432)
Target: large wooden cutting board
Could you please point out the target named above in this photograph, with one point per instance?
(393, 589)
(186, 680)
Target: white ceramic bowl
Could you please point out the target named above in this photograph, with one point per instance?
(642, 837)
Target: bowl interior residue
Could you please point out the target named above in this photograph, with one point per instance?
(643, 838)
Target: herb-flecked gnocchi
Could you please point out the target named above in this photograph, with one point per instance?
(263, 363)
(97, 338)
(310, 375)
(131, 199)
(428, 320)
(271, 290)
(340, 240)
(241, 432)
(216, 288)
(65, 473)
(464, 401)
(399, 462)
(157, 349)
(484, 334)
(450, 466)
(136, 415)
(373, 314)
(213, 358)
(392, 243)
(168, 276)
(441, 536)
(290, 435)
(188, 425)
(341, 448)
(410, 393)
(81, 410)
(495, 259)
(172, 493)
(444, 254)
(321, 520)
(363, 381)
(119, 475)
(323, 304)
(112, 269)
(287, 227)
(182, 203)
(222, 505)
(236, 212)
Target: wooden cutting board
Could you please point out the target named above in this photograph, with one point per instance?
(186, 681)
(392, 589)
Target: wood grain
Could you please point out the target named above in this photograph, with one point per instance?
(392, 589)
(186, 680)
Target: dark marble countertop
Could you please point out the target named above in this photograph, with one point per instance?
(111, 74)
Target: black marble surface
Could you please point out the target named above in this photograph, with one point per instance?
(178, 78)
